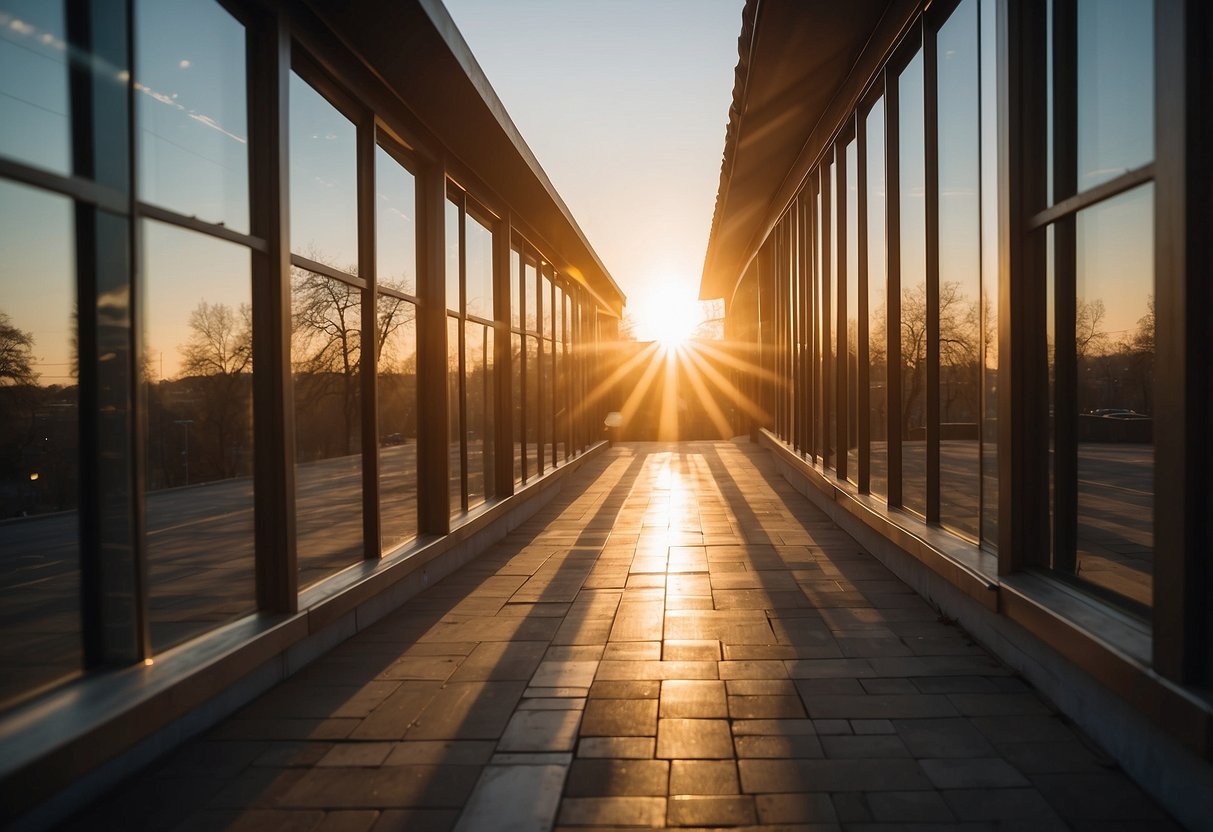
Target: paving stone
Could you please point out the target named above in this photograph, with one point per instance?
(693, 699)
(501, 660)
(694, 739)
(619, 718)
(691, 650)
(765, 707)
(513, 798)
(780, 776)
(1000, 805)
(397, 787)
(875, 726)
(715, 810)
(909, 807)
(618, 747)
(804, 807)
(468, 711)
(540, 731)
(356, 754)
(554, 674)
(1096, 796)
(617, 778)
(864, 747)
(616, 689)
(623, 671)
(703, 777)
(773, 727)
(532, 758)
(613, 811)
(879, 707)
(972, 773)
(632, 651)
(943, 738)
(795, 745)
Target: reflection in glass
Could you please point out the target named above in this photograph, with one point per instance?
(455, 418)
(830, 323)
(397, 391)
(548, 396)
(324, 184)
(395, 225)
(34, 122)
(1114, 352)
(561, 416)
(515, 289)
(198, 386)
(193, 110)
(531, 278)
(912, 208)
(1115, 66)
(39, 444)
(818, 320)
(479, 267)
(535, 461)
(989, 273)
(326, 358)
(453, 226)
(545, 302)
(852, 309)
(516, 393)
(479, 436)
(959, 272)
(878, 414)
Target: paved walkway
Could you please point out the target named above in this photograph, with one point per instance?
(678, 639)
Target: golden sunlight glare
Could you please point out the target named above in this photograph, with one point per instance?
(667, 315)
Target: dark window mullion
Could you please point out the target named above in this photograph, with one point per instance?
(368, 354)
(892, 178)
(930, 92)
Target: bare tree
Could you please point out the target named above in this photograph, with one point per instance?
(16, 354)
(219, 356)
(1089, 338)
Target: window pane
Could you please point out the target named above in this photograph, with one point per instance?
(989, 274)
(912, 208)
(479, 393)
(1115, 65)
(532, 297)
(535, 462)
(515, 289)
(852, 331)
(818, 319)
(326, 356)
(397, 389)
(198, 376)
(878, 403)
(34, 122)
(324, 184)
(1114, 348)
(455, 418)
(830, 323)
(548, 395)
(39, 446)
(516, 392)
(959, 272)
(193, 110)
(452, 257)
(545, 302)
(395, 224)
(479, 269)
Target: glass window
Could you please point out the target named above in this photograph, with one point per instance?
(455, 419)
(34, 121)
(531, 275)
(326, 355)
(545, 302)
(913, 222)
(515, 289)
(397, 401)
(989, 274)
(480, 402)
(516, 394)
(192, 110)
(324, 180)
(453, 227)
(1113, 354)
(39, 442)
(395, 225)
(830, 321)
(479, 254)
(1115, 67)
(547, 394)
(852, 309)
(198, 377)
(818, 320)
(535, 462)
(878, 402)
(959, 272)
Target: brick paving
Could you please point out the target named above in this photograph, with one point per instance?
(678, 639)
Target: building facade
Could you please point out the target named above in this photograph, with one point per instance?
(966, 248)
(292, 324)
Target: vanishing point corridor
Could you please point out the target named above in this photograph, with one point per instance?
(679, 639)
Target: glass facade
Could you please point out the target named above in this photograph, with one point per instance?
(139, 448)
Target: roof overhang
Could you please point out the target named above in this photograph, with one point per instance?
(802, 66)
(417, 51)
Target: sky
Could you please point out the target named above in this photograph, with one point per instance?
(624, 104)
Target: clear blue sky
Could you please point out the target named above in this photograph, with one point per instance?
(624, 103)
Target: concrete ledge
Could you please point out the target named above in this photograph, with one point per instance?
(1156, 730)
(61, 751)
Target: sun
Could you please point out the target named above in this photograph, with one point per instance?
(667, 316)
